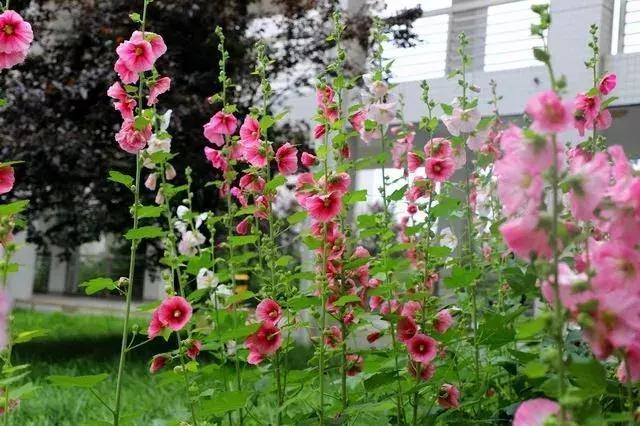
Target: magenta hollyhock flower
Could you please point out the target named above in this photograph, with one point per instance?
(244, 226)
(449, 396)
(194, 349)
(252, 183)
(438, 148)
(250, 130)
(588, 106)
(535, 412)
(374, 336)
(155, 326)
(338, 182)
(607, 83)
(136, 55)
(549, 113)
(354, 364)
(414, 161)
(427, 370)
(162, 85)
(158, 46)
(266, 341)
(632, 354)
(308, 160)
(319, 131)
(256, 153)
(439, 169)
(127, 75)
(7, 179)
(334, 337)
(216, 158)
(269, 310)
(422, 348)
(255, 358)
(175, 312)
(443, 321)
(406, 329)
(287, 159)
(131, 139)
(158, 362)
(524, 237)
(357, 120)
(324, 208)
(15, 33)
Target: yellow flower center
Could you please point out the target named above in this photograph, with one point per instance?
(8, 29)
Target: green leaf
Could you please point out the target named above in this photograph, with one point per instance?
(144, 232)
(149, 211)
(118, 177)
(266, 122)
(531, 328)
(461, 277)
(223, 403)
(447, 109)
(297, 217)
(242, 240)
(274, 183)
(535, 369)
(98, 284)
(398, 194)
(355, 196)
(78, 381)
(312, 242)
(27, 336)
(445, 207)
(237, 333)
(349, 298)
(303, 302)
(541, 54)
(590, 376)
(13, 208)
(240, 297)
(608, 102)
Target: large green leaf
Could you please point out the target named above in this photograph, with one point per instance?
(78, 381)
(144, 232)
(98, 284)
(223, 403)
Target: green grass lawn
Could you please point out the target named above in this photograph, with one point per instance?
(78, 344)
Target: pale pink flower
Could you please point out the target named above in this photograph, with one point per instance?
(461, 121)
(449, 396)
(443, 321)
(162, 85)
(572, 288)
(287, 159)
(174, 312)
(535, 412)
(15, 33)
(189, 242)
(269, 310)
(523, 236)
(131, 139)
(151, 182)
(603, 120)
(7, 179)
(537, 154)
(549, 113)
(608, 83)
(250, 130)
(617, 266)
(382, 113)
(422, 348)
(519, 185)
(136, 55)
(439, 169)
(255, 358)
(477, 139)
(589, 184)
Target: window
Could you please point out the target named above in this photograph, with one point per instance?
(509, 43)
(394, 6)
(631, 35)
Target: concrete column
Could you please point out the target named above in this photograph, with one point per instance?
(21, 283)
(57, 272)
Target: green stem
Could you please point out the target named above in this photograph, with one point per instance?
(5, 279)
(323, 285)
(345, 400)
(186, 380)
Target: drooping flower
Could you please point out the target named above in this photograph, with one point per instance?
(287, 159)
(7, 179)
(535, 412)
(449, 396)
(319, 131)
(324, 208)
(189, 242)
(422, 348)
(15, 33)
(174, 312)
(125, 104)
(194, 349)
(549, 113)
(155, 325)
(158, 362)
(443, 321)
(439, 169)
(608, 83)
(162, 85)
(131, 139)
(308, 160)
(216, 158)
(243, 227)
(269, 310)
(256, 153)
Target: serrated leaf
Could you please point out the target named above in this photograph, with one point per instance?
(144, 232)
(274, 183)
(349, 298)
(98, 284)
(297, 217)
(13, 208)
(352, 197)
(242, 240)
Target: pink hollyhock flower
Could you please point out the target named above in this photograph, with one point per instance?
(287, 159)
(194, 349)
(535, 412)
(537, 154)
(572, 288)
(603, 120)
(15, 33)
(382, 113)
(136, 55)
(461, 121)
(427, 370)
(162, 85)
(308, 160)
(357, 120)
(443, 321)
(632, 354)
(243, 227)
(256, 153)
(621, 169)
(174, 312)
(519, 185)
(319, 131)
(266, 341)
(324, 208)
(131, 139)
(523, 236)
(459, 157)
(354, 364)
(151, 182)
(422, 348)
(449, 396)
(617, 266)
(414, 161)
(477, 139)
(237, 193)
(7, 179)
(588, 106)
(372, 337)
(438, 148)
(390, 307)
(439, 169)
(269, 310)
(255, 358)
(9, 60)
(250, 130)
(333, 337)
(220, 124)
(331, 114)
(126, 104)
(155, 326)
(252, 183)
(158, 362)
(589, 185)
(324, 95)
(406, 329)
(158, 47)
(549, 113)
(410, 309)
(608, 83)
(338, 182)
(216, 158)
(127, 75)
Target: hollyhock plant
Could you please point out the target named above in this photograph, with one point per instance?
(269, 310)
(443, 321)
(449, 396)
(158, 362)
(422, 348)
(549, 112)
(7, 178)
(461, 120)
(407, 329)
(535, 412)
(162, 85)
(287, 159)
(174, 313)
